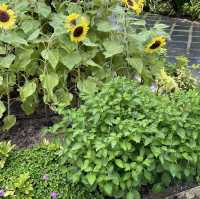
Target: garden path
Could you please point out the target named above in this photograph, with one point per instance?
(185, 36)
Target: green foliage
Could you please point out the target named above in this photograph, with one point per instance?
(192, 8)
(181, 74)
(23, 176)
(19, 187)
(175, 7)
(5, 149)
(38, 57)
(160, 6)
(125, 136)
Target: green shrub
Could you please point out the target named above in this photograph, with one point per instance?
(125, 136)
(192, 8)
(175, 7)
(36, 173)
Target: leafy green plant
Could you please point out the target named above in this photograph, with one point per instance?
(175, 7)
(182, 74)
(19, 187)
(38, 172)
(192, 8)
(5, 149)
(44, 57)
(125, 136)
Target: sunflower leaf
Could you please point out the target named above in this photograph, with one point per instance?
(112, 48)
(52, 56)
(2, 109)
(71, 60)
(9, 121)
(5, 62)
(136, 63)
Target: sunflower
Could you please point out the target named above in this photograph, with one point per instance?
(135, 5)
(155, 44)
(7, 17)
(71, 21)
(79, 32)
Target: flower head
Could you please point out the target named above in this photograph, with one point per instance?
(135, 5)
(2, 193)
(54, 195)
(7, 17)
(155, 44)
(45, 177)
(79, 32)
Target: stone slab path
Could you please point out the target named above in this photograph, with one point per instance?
(185, 36)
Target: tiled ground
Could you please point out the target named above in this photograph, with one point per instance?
(185, 36)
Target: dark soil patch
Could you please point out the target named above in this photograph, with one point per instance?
(27, 130)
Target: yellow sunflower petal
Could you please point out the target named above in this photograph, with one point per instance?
(70, 21)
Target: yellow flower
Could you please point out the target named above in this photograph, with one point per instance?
(7, 17)
(135, 5)
(71, 21)
(79, 32)
(155, 44)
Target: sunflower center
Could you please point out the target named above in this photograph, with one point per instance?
(78, 31)
(155, 45)
(130, 2)
(4, 16)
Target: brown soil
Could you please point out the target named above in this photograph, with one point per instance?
(27, 130)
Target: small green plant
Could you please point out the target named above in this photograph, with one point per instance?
(5, 149)
(181, 74)
(125, 136)
(19, 187)
(38, 173)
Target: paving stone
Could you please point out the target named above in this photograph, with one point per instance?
(180, 33)
(180, 38)
(194, 53)
(176, 52)
(194, 61)
(173, 44)
(196, 33)
(196, 39)
(181, 27)
(196, 28)
(195, 45)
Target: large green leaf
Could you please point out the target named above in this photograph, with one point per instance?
(91, 178)
(12, 38)
(43, 9)
(8, 122)
(105, 26)
(87, 86)
(23, 58)
(112, 48)
(5, 62)
(136, 63)
(71, 60)
(34, 35)
(2, 109)
(52, 56)
(27, 90)
(49, 82)
(29, 105)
